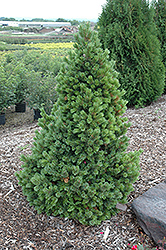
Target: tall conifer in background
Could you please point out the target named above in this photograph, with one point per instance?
(127, 29)
(160, 20)
(78, 167)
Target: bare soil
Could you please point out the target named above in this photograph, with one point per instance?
(15, 120)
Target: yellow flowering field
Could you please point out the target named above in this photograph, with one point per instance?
(49, 49)
(56, 49)
(54, 46)
(59, 49)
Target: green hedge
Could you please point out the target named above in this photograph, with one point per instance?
(128, 30)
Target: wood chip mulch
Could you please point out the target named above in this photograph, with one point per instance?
(20, 225)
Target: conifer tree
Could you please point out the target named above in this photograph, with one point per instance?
(160, 20)
(79, 167)
(127, 29)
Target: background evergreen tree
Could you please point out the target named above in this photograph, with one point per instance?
(128, 30)
(78, 167)
(160, 20)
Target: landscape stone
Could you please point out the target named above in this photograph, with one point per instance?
(150, 210)
(121, 207)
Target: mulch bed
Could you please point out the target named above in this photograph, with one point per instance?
(20, 225)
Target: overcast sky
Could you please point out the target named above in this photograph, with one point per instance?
(52, 9)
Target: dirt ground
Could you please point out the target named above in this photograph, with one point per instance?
(14, 119)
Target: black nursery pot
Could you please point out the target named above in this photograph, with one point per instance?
(2, 119)
(20, 107)
(37, 114)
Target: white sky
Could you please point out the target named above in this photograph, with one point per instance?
(52, 9)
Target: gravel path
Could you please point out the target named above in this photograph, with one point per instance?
(22, 228)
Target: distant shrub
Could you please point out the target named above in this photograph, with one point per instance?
(6, 90)
(160, 20)
(41, 91)
(13, 40)
(10, 47)
(128, 30)
(44, 62)
(16, 74)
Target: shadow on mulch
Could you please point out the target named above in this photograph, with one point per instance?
(15, 119)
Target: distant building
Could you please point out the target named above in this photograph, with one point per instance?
(34, 24)
(66, 30)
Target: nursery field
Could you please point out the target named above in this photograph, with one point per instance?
(29, 75)
(71, 179)
(60, 48)
(36, 38)
(31, 72)
(23, 228)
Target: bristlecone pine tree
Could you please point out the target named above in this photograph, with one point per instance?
(160, 20)
(127, 29)
(78, 167)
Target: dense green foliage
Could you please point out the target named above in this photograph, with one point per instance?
(79, 167)
(6, 90)
(19, 78)
(33, 76)
(9, 47)
(17, 75)
(13, 40)
(41, 91)
(160, 20)
(128, 30)
(43, 62)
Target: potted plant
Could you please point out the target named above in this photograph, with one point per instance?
(41, 92)
(6, 94)
(20, 78)
(42, 62)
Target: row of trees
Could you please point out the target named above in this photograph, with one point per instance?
(73, 22)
